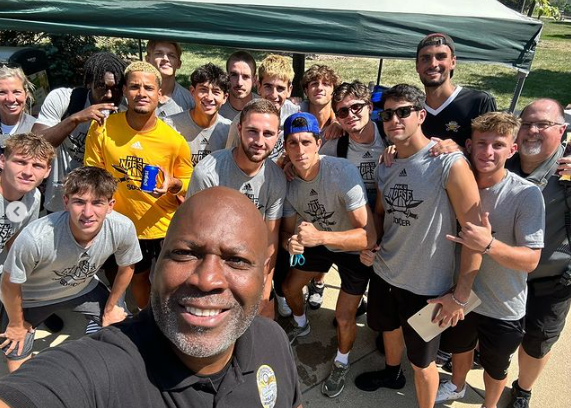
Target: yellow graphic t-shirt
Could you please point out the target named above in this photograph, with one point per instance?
(123, 152)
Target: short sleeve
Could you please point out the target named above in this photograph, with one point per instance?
(129, 250)
(530, 219)
(54, 107)
(22, 258)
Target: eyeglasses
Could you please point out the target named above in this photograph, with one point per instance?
(355, 109)
(544, 124)
(402, 112)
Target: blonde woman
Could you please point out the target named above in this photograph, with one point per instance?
(15, 92)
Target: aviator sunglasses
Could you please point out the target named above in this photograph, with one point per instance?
(402, 112)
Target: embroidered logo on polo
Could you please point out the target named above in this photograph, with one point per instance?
(402, 173)
(452, 126)
(77, 274)
(400, 199)
(267, 386)
(320, 215)
(6, 231)
(248, 191)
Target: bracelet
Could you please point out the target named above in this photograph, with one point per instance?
(288, 241)
(463, 304)
(487, 249)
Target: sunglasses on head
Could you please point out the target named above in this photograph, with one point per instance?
(402, 112)
(355, 109)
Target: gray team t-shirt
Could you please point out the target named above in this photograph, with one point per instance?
(517, 215)
(181, 100)
(52, 267)
(202, 141)
(364, 156)
(9, 228)
(229, 112)
(415, 254)
(69, 155)
(325, 201)
(266, 189)
(288, 108)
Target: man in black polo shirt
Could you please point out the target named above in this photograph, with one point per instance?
(449, 108)
(199, 344)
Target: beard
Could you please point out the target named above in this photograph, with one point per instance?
(531, 148)
(253, 157)
(197, 341)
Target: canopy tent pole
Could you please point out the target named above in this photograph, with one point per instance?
(299, 69)
(140, 50)
(521, 76)
(379, 72)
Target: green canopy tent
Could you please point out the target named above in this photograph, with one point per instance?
(484, 30)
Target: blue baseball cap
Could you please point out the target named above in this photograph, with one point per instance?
(301, 122)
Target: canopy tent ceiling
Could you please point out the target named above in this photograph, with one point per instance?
(483, 30)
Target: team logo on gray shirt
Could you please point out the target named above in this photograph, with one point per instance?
(319, 215)
(77, 274)
(400, 200)
(6, 230)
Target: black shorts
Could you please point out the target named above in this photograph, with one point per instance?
(90, 304)
(498, 340)
(389, 308)
(548, 303)
(354, 275)
(151, 248)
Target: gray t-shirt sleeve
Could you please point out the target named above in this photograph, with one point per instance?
(128, 251)
(352, 187)
(329, 148)
(23, 256)
(289, 211)
(448, 161)
(276, 205)
(54, 107)
(200, 178)
(530, 221)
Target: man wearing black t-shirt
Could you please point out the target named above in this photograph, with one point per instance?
(199, 344)
(450, 108)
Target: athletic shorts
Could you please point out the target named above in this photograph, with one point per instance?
(389, 308)
(548, 303)
(151, 248)
(90, 305)
(354, 275)
(498, 339)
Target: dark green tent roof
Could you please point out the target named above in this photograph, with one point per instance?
(483, 30)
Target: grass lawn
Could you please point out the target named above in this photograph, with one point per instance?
(550, 75)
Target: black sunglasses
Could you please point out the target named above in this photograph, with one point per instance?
(402, 112)
(356, 108)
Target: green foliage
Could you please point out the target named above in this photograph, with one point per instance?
(66, 53)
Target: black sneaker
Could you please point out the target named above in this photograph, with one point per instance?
(373, 380)
(519, 398)
(315, 299)
(54, 323)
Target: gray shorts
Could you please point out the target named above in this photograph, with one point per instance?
(90, 305)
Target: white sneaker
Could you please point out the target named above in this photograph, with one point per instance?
(447, 392)
(283, 308)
